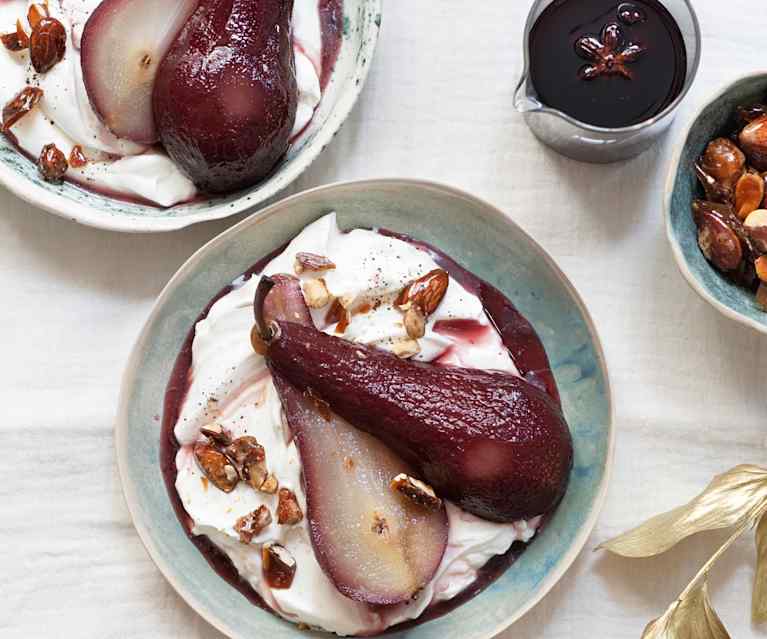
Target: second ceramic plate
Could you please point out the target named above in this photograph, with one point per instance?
(478, 236)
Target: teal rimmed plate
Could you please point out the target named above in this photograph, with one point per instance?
(488, 243)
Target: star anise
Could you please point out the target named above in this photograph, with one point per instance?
(606, 53)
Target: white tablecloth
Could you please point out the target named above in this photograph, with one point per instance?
(690, 391)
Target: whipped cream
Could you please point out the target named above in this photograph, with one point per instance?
(65, 117)
(231, 385)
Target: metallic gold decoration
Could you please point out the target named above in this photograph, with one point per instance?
(729, 499)
(759, 600)
(735, 500)
(689, 618)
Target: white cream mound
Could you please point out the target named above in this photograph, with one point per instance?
(64, 116)
(231, 385)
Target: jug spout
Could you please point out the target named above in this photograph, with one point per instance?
(525, 99)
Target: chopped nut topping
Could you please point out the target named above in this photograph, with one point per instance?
(52, 163)
(426, 292)
(36, 13)
(415, 322)
(279, 566)
(337, 314)
(289, 512)
(316, 293)
(256, 474)
(761, 268)
(231, 473)
(269, 485)
(380, 526)
(17, 40)
(216, 433)
(749, 193)
(216, 466)
(47, 44)
(253, 524)
(249, 458)
(77, 157)
(245, 449)
(417, 491)
(406, 348)
(20, 105)
(312, 262)
(257, 342)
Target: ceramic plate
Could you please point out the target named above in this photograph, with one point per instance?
(362, 20)
(485, 241)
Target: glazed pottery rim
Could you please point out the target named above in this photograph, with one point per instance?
(87, 215)
(639, 126)
(676, 250)
(261, 217)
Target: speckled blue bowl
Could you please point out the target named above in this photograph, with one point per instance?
(362, 21)
(480, 237)
(682, 187)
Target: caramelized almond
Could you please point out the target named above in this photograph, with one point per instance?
(719, 243)
(756, 229)
(252, 524)
(749, 193)
(761, 268)
(415, 322)
(36, 13)
(289, 512)
(47, 44)
(279, 566)
(753, 140)
(216, 433)
(312, 262)
(249, 458)
(269, 485)
(338, 315)
(417, 491)
(21, 104)
(77, 157)
(406, 348)
(52, 163)
(426, 292)
(257, 342)
(17, 40)
(316, 294)
(217, 467)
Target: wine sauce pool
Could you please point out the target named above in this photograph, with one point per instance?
(614, 78)
(518, 336)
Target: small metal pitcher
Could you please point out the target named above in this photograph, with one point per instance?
(588, 143)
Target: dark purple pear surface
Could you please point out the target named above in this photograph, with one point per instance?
(491, 442)
(374, 544)
(225, 95)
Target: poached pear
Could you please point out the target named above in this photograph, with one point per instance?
(493, 443)
(375, 545)
(225, 96)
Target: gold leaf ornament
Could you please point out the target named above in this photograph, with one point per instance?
(759, 599)
(689, 617)
(731, 498)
